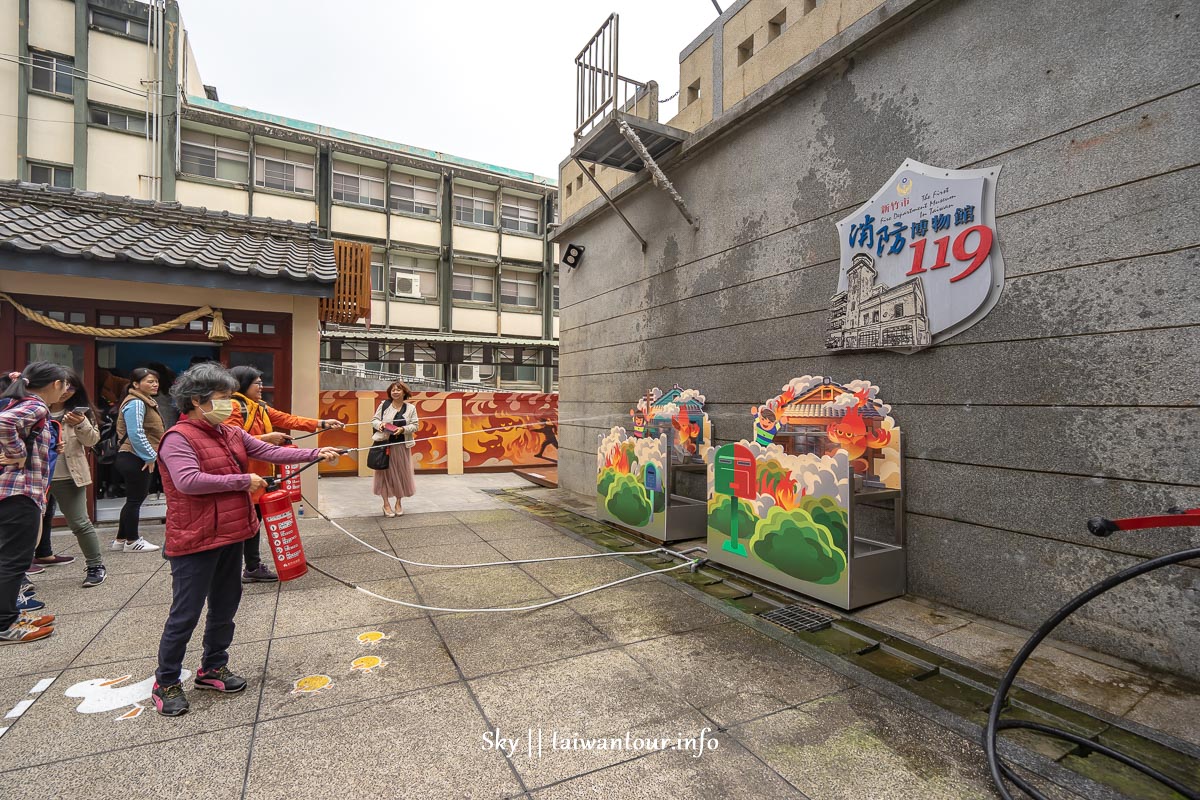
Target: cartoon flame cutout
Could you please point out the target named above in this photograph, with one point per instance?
(852, 435)
(619, 459)
(782, 487)
(686, 432)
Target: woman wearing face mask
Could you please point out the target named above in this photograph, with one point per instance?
(72, 476)
(139, 430)
(25, 435)
(262, 422)
(205, 472)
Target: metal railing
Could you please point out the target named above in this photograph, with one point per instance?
(599, 87)
(414, 383)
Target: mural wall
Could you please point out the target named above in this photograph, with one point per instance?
(498, 429)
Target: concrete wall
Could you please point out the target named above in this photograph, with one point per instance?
(1075, 397)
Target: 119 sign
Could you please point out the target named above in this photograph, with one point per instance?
(976, 256)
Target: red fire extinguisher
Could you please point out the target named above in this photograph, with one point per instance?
(283, 536)
(289, 477)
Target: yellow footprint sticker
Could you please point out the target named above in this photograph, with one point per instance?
(311, 684)
(372, 638)
(365, 664)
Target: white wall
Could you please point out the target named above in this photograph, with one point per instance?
(521, 247)
(297, 209)
(416, 315)
(474, 320)
(120, 61)
(475, 241)
(214, 198)
(416, 231)
(116, 162)
(8, 91)
(52, 26)
(51, 130)
(513, 324)
(359, 222)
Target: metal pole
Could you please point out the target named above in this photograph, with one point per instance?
(611, 204)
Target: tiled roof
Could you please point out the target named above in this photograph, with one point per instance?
(827, 410)
(74, 224)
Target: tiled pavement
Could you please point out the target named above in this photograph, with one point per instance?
(649, 658)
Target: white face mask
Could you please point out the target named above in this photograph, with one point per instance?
(221, 411)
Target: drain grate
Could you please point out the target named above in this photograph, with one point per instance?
(799, 618)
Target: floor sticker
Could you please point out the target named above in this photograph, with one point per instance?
(102, 695)
(311, 684)
(365, 664)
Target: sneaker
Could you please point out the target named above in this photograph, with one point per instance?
(260, 574)
(19, 634)
(220, 679)
(95, 576)
(34, 621)
(27, 602)
(27, 587)
(34, 569)
(170, 701)
(54, 561)
(117, 545)
(139, 546)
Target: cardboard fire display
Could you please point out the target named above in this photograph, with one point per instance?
(636, 469)
(919, 260)
(789, 505)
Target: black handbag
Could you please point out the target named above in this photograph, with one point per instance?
(377, 456)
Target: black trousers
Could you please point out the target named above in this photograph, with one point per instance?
(20, 523)
(137, 486)
(44, 549)
(214, 576)
(253, 559)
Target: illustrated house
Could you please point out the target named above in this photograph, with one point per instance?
(870, 314)
(805, 420)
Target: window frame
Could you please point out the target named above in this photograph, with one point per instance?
(288, 160)
(55, 71)
(419, 267)
(521, 221)
(361, 181)
(55, 169)
(393, 200)
(474, 200)
(475, 273)
(241, 157)
(521, 277)
(126, 32)
(94, 109)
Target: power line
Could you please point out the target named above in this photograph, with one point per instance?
(81, 74)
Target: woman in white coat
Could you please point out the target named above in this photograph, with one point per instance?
(396, 422)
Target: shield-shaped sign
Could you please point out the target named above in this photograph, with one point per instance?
(919, 261)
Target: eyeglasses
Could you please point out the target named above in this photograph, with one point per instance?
(257, 383)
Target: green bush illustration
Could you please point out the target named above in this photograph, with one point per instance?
(660, 502)
(718, 517)
(607, 476)
(627, 501)
(825, 511)
(791, 542)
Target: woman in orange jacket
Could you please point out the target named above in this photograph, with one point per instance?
(262, 422)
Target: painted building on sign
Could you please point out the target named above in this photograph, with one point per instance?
(1009, 192)
(870, 314)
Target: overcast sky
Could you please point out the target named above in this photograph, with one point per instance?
(482, 79)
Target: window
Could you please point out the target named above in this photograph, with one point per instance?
(211, 156)
(52, 73)
(809, 5)
(568, 191)
(118, 120)
(776, 26)
(377, 272)
(285, 170)
(555, 306)
(875, 316)
(474, 205)
(518, 373)
(414, 194)
(115, 24)
(693, 93)
(745, 51)
(476, 284)
(519, 288)
(414, 277)
(898, 310)
(356, 183)
(61, 177)
(519, 214)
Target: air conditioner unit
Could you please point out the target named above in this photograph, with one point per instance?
(407, 286)
(468, 373)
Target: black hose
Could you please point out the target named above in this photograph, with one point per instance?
(999, 769)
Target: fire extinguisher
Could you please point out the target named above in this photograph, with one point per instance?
(283, 536)
(289, 477)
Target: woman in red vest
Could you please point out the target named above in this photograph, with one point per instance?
(209, 516)
(262, 422)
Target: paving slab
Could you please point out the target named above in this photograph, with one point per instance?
(137, 630)
(857, 744)
(733, 673)
(728, 771)
(72, 633)
(1107, 688)
(365, 565)
(404, 539)
(54, 729)
(407, 656)
(568, 577)
(645, 609)
(157, 589)
(1172, 710)
(484, 587)
(66, 595)
(912, 619)
(596, 695)
(423, 744)
(208, 765)
(426, 520)
(477, 552)
(489, 643)
(325, 605)
(541, 547)
(337, 543)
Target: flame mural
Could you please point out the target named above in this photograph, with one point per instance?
(499, 429)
